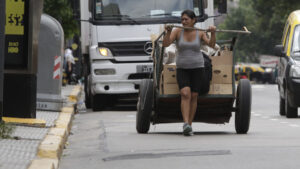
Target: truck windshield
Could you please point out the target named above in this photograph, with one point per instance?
(296, 43)
(143, 10)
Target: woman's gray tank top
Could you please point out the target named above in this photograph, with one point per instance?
(189, 55)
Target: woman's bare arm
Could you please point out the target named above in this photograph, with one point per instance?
(170, 37)
(212, 41)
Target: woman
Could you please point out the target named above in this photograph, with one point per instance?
(189, 63)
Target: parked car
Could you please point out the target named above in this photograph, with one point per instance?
(289, 66)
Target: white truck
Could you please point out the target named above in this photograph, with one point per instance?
(116, 42)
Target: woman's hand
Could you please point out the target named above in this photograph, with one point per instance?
(212, 29)
(168, 28)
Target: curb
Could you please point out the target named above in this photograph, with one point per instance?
(51, 148)
(25, 121)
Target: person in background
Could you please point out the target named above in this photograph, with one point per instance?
(189, 63)
(69, 63)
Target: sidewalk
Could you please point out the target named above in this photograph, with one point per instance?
(41, 147)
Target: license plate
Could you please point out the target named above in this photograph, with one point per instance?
(144, 68)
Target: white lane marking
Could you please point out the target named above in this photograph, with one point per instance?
(275, 119)
(294, 125)
(258, 86)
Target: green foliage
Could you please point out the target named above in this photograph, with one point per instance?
(62, 11)
(6, 130)
(265, 19)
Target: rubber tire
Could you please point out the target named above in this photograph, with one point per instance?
(88, 102)
(98, 102)
(281, 106)
(243, 107)
(86, 88)
(144, 106)
(290, 112)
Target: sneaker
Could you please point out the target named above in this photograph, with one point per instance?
(187, 130)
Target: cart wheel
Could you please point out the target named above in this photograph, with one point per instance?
(144, 106)
(290, 112)
(281, 106)
(243, 107)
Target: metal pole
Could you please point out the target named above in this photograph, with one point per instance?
(2, 26)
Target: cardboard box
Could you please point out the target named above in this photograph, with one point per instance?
(222, 74)
(220, 89)
(169, 74)
(225, 58)
(170, 88)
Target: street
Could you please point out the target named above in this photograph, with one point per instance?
(108, 140)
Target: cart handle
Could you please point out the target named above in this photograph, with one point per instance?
(244, 31)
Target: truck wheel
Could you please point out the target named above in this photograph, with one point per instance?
(291, 112)
(243, 107)
(144, 106)
(281, 106)
(88, 99)
(86, 88)
(98, 102)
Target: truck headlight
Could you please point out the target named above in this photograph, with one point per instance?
(104, 51)
(295, 71)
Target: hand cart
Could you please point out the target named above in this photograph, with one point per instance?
(157, 106)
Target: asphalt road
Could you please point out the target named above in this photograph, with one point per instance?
(108, 140)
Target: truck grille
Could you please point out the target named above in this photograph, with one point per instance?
(140, 76)
(126, 48)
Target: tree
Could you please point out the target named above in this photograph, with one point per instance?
(62, 11)
(265, 19)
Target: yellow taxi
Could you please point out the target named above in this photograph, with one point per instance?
(252, 72)
(289, 66)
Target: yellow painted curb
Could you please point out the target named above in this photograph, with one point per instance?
(61, 132)
(51, 147)
(67, 110)
(74, 94)
(44, 163)
(25, 121)
(64, 121)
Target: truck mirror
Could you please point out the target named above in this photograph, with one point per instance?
(278, 50)
(222, 6)
(204, 3)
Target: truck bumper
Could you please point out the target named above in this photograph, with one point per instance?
(121, 78)
(294, 92)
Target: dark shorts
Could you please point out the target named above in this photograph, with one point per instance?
(190, 78)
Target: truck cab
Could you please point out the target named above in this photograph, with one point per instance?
(116, 40)
(289, 66)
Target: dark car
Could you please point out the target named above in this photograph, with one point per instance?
(289, 67)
